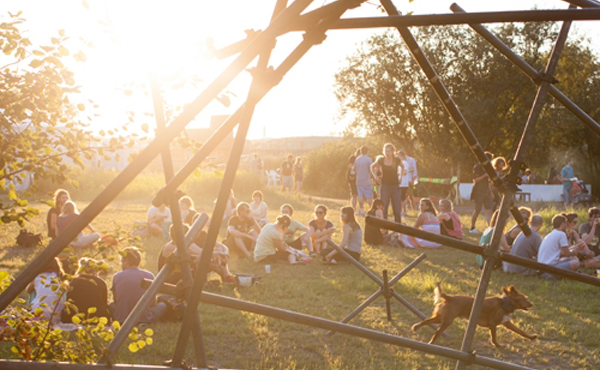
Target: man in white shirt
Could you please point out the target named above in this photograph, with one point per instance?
(362, 167)
(555, 250)
(156, 218)
(413, 178)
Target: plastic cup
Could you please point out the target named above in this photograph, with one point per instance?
(268, 269)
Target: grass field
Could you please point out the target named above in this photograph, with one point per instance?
(565, 315)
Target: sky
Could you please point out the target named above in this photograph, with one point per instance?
(131, 38)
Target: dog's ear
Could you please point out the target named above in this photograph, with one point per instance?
(513, 290)
(504, 290)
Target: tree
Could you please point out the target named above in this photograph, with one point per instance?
(40, 132)
(386, 93)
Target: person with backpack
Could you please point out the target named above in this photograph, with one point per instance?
(450, 224)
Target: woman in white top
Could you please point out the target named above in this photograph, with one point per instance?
(259, 208)
(47, 303)
(427, 221)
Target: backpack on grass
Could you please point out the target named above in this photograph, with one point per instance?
(28, 239)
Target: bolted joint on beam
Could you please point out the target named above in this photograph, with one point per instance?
(314, 37)
(489, 252)
(545, 77)
(164, 196)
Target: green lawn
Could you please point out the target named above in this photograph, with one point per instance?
(566, 314)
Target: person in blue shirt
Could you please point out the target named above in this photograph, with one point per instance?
(567, 174)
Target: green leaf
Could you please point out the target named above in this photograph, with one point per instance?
(145, 127)
(12, 195)
(63, 51)
(81, 106)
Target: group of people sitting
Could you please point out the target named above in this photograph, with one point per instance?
(287, 239)
(563, 247)
(62, 214)
(445, 222)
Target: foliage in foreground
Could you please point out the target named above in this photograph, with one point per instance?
(86, 340)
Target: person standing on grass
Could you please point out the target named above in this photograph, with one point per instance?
(389, 165)
(270, 247)
(242, 230)
(481, 194)
(351, 238)
(351, 178)
(127, 290)
(499, 164)
(526, 247)
(298, 174)
(566, 176)
(403, 181)
(362, 167)
(321, 228)
(60, 197)
(304, 240)
(413, 179)
(287, 174)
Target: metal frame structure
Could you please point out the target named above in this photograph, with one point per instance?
(288, 18)
(385, 287)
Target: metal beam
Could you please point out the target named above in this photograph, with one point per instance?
(535, 76)
(477, 249)
(419, 20)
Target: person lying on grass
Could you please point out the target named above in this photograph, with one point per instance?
(270, 247)
(351, 238)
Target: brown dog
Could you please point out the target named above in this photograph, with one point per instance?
(495, 311)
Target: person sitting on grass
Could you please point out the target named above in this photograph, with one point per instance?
(260, 210)
(87, 291)
(61, 196)
(486, 238)
(304, 240)
(230, 207)
(373, 234)
(270, 247)
(590, 231)
(450, 224)
(188, 211)
(352, 236)
(426, 221)
(46, 304)
(69, 215)
(573, 236)
(218, 263)
(127, 290)
(242, 230)
(321, 228)
(526, 247)
(511, 234)
(156, 218)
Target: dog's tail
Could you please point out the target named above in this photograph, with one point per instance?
(438, 294)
